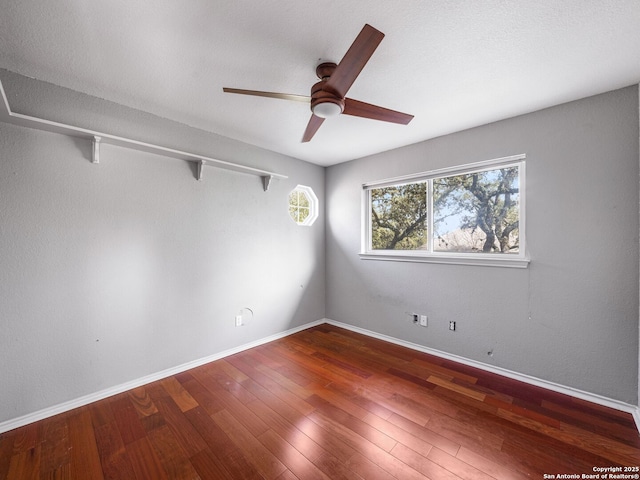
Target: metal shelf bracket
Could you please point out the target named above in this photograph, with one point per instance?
(95, 157)
(266, 182)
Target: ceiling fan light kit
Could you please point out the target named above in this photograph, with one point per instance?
(328, 96)
(326, 109)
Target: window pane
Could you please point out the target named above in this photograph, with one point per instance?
(303, 201)
(398, 217)
(477, 212)
(293, 211)
(303, 213)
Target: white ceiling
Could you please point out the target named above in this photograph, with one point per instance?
(452, 64)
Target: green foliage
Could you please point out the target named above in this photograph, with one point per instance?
(399, 216)
(299, 208)
(475, 212)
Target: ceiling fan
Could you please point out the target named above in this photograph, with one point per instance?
(328, 95)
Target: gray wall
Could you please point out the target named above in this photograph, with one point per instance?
(115, 271)
(571, 317)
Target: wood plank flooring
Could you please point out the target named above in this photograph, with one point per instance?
(325, 403)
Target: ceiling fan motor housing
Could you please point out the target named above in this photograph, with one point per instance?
(324, 103)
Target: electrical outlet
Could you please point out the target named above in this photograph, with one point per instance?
(423, 320)
(238, 320)
(415, 317)
(452, 326)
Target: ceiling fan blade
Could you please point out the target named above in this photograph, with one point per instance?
(357, 108)
(354, 61)
(312, 127)
(258, 93)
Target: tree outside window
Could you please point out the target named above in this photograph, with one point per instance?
(477, 212)
(472, 212)
(399, 217)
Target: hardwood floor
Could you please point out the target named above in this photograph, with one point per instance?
(325, 403)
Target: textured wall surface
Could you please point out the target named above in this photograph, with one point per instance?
(112, 272)
(115, 271)
(571, 317)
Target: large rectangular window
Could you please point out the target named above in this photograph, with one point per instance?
(472, 214)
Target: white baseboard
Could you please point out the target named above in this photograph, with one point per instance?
(634, 410)
(94, 397)
(636, 417)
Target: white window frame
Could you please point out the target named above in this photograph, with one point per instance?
(515, 260)
(313, 205)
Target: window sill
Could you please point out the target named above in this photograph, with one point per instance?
(460, 259)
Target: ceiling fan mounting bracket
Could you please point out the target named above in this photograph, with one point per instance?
(325, 69)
